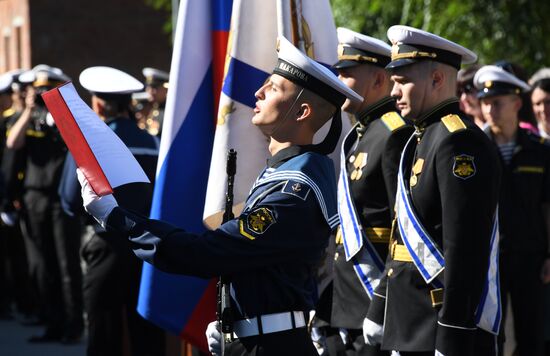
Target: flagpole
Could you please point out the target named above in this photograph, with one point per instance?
(299, 41)
(283, 19)
(175, 8)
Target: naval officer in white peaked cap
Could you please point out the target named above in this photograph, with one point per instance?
(441, 296)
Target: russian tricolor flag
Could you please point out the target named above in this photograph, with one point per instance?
(181, 304)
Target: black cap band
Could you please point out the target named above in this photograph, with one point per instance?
(349, 56)
(493, 88)
(122, 100)
(304, 79)
(403, 54)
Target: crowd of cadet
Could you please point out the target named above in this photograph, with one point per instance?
(58, 267)
(440, 217)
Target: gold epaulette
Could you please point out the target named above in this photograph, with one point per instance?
(453, 122)
(9, 112)
(392, 120)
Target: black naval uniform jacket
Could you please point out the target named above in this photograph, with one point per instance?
(373, 194)
(457, 208)
(525, 187)
(270, 252)
(45, 154)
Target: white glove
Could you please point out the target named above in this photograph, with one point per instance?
(214, 338)
(437, 353)
(9, 219)
(372, 332)
(98, 207)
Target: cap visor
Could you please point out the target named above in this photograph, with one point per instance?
(345, 64)
(401, 63)
(488, 92)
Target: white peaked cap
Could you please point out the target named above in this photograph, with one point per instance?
(358, 40)
(493, 80)
(153, 74)
(411, 45)
(107, 80)
(5, 82)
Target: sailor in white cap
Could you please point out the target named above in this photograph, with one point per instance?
(269, 252)
(111, 281)
(448, 186)
(540, 100)
(156, 85)
(50, 234)
(524, 206)
(370, 157)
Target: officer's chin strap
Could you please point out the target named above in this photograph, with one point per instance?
(287, 113)
(328, 145)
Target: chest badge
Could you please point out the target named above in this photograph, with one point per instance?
(359, 163)
(464, 166)
(416, 170)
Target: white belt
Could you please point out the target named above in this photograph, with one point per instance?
(270, 323)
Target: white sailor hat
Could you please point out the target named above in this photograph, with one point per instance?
(43, 75)
(109, 83)
(355, 48)
(493, 80)
(15, 73)
(411, 45)
(543, 73)
(155, 76)
(295, 66)
(5, 83)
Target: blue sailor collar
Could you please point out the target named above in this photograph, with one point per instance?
(310, 168)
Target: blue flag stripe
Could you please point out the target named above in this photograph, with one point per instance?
(221, 15)
(243, 90)
(182, 179)
(179, 199)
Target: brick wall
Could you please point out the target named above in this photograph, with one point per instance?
(14, 35)
(75, 34)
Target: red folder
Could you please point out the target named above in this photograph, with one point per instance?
(76, 142)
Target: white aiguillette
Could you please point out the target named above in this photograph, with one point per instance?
(101, 155)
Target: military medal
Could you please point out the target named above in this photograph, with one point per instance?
(359, 162)
(417, 168)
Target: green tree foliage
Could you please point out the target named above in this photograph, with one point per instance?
(514, 30)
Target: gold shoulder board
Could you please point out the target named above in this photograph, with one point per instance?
(8, 112)
(453, 123)
(392, 120)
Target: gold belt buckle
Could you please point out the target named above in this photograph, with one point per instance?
(392, 248)
(437, 297)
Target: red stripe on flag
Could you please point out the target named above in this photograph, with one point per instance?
(76, 142)
(204, 313)
(219, 52)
